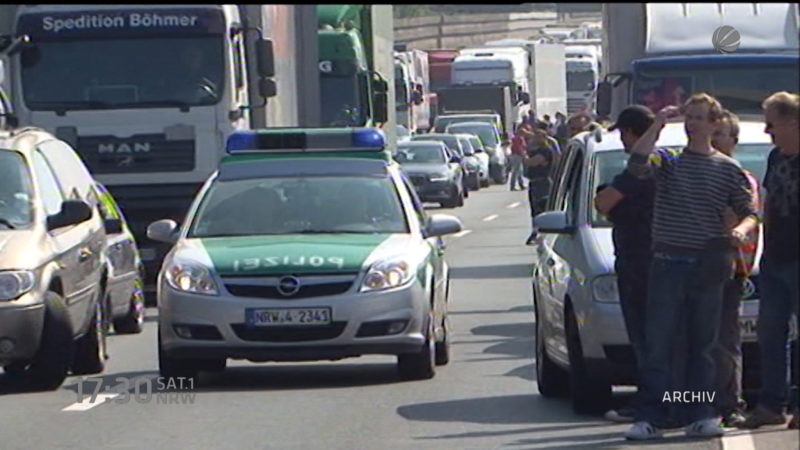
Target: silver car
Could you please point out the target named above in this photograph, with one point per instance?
(581, 342)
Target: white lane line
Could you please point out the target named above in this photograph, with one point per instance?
(513, 205)
(743, 441)
(462, 233)
(87, 404)
(490, 218)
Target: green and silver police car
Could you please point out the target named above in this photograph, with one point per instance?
(305, 244)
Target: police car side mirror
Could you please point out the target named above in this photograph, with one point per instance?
(164, 230)
(442, 224)
(552, 222)
(72, 212)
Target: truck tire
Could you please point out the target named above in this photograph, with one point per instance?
(133, 321)
(420, 365)
(91, 349)
(50, 365)
(590, 394)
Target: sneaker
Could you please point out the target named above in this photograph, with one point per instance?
(705, 428)
(622, 415)
(643, 431)
(763, 416)
(733, 419)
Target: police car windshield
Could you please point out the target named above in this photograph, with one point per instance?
(300, 205)
(15, 191)
(123, 73)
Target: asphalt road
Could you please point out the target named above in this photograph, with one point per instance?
(485, 398)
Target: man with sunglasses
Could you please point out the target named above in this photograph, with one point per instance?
(779, 261)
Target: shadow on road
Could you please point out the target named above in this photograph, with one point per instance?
(485, 272)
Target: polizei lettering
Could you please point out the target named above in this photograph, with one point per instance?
(132, 20)
(248, 264)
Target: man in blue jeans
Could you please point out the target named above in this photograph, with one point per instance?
(692, 261)
(779, 260)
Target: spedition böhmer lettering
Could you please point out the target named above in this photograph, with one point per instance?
(131, 20)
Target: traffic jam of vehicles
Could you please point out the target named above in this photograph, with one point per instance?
(190, 190)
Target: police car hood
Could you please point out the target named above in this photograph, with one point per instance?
(293, 254)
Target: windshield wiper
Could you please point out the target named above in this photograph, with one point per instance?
(329, 232)
(7, 223)
(61, 108)
(183, 106)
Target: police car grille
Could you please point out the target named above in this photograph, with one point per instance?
(137, 154)
(288, 334)
(305, 291)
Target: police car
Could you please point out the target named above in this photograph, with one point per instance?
(306, 244)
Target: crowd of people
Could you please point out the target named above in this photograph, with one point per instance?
(686, 229)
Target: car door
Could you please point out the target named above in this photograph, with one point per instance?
(86, 238)
(121, 255)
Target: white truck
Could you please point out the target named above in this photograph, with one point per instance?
(412, 90)
(147, 94)
(658, 54)
(518, 57)
(583, 74)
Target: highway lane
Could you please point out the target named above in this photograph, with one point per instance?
(485, 398)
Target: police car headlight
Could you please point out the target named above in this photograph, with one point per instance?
(605, 289)
(191, 278)
(387, 274)
(15, 283)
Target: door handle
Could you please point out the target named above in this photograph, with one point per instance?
(551, 262)
(84, 255)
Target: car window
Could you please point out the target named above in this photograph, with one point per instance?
(293, 205)
(49, 190)
(432, 154)
(571, 196)
(467, 146)
(476, 143)
(487, 133)
(605, 166)
(107, 206)
(16, 191)
(72, 175)
(419, 210)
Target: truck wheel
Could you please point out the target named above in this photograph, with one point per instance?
(91, 349)
(420, 365)
(485, 183)
(50, 365)
(590, 394)
(132, 322)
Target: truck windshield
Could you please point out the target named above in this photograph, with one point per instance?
(123, 73)
(15, 191)
(580, 81)
(342, 104)
(740, 89)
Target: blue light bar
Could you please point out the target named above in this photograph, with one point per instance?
(306, 140)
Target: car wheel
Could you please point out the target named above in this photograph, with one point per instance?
(551, 380)
(175, 367)
(485, 183)
(420, 365)
(465, 188)
(50, 365)
(590, 394)
(91, 349)
(133, 321)
(443, 346)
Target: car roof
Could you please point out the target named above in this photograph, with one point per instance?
(23, 140)
(421, 137)
(306, 166)
(673, 134)
(486, 115)
(422, 143)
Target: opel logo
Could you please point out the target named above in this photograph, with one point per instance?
(288, 285)
(749, 289)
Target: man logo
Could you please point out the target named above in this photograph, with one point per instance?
(726, 39)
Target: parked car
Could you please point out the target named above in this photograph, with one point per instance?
(442, 122)
(435, 173)
(581, 342)
(471, 163)
(454, 146)
(52, 262)
(496, 148)
(124, 289)
(483, 159)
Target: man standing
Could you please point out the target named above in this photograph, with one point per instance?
(692, 260)
(538, 170)
(779, 261)
(628, 202)
(728, 351)
(519, 148)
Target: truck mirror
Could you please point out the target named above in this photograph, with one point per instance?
(416, 97)
(267, 88)
(525, 98)
(604, 90)
(381, 107)
(266, 58)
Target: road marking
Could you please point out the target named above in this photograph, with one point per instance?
(87, 404)
(462, 233)
(738, 441)
(490, 218)
(513, 205)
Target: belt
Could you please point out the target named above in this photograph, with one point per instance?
(675, 257)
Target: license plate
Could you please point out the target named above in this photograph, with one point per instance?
(287, 316)
(147, 254)
(748, 328)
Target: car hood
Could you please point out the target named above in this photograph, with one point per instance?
(292, 254)
(21, 249)
(424, 169)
